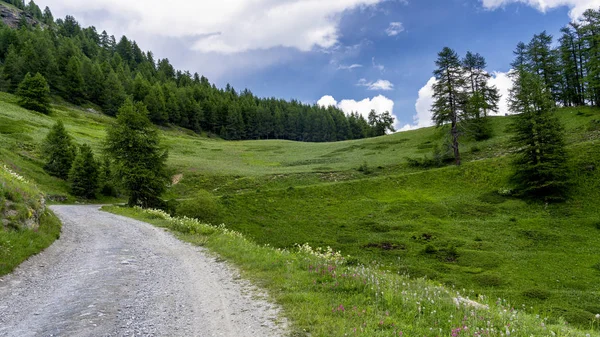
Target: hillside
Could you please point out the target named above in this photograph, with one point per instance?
(26, 226)
(458, 226)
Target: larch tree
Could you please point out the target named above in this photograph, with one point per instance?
(84, 173)
(482, 98)
(34, 93)
(449, 96)
(59, 151)
(133, 143)
(540, 163)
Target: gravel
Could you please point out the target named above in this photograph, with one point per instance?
(113, 276)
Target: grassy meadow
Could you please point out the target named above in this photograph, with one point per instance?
(458, 227)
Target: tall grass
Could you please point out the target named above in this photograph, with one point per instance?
(326, 294)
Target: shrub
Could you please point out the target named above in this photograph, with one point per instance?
(204, 207)
(537, 294)
(364, 168)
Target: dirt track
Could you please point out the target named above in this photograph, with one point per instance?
(113, 276)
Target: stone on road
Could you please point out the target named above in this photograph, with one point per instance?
(109, 275)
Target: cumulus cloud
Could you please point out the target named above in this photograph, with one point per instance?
(577, 6)
(226, 26)
(504, 84)
(382, 85)
(423, 117)
(327, 101)
(394, 28)
(378, 103)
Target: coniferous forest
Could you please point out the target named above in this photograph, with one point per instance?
(83, 66)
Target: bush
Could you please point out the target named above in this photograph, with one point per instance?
(204, 207)
(364, 168)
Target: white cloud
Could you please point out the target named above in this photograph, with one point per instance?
(377, 66)
(577, 6)
(423, 106)
(504, 84)
(327, 101)
(423, 117)
(394, 28)
(378, 103)
(382, 85)
(225, 26)
(350, 67)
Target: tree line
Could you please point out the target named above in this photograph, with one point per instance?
(84, 67)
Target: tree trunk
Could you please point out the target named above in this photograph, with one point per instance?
(455, 143)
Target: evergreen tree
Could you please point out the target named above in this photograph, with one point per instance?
(83, 175)
(140, 161)
(449, 96)
(13, 69)
(540, 162)
(73, 81)
(47, 17)
(113, 94)
(59, 151)
(155, 102)
(34, 93)
(481, 97)
(106, 179)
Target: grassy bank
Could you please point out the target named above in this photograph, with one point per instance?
(26, 226)
(325, 294)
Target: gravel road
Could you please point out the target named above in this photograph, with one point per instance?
(113, 276)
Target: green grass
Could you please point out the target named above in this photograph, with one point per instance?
(325, 294)
(456, 226)
(26, 227)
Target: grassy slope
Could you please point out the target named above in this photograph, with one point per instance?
(281, 193)
(327, 295)
(19, 201)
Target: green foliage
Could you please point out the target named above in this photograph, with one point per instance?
(26, 227)
(140, 161)
(34, 93)
(84, 174)
(73, 81)
(59, 151)
(202, 206)
(106, 179)
(448, 94)
(113, 95)
(540, 164)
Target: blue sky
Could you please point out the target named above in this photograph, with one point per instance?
(363, 53)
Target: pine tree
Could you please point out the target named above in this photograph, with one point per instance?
(113, 94)
(481, 97)
(155, 102)
(540, 162)
(449, 96)
(34, 93)
(13, 69)
(140, 161)
(83, 175)
(73, 81)
(59, 151)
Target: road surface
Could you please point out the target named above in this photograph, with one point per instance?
(113, 276)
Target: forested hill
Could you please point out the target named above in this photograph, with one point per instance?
(85, 67)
